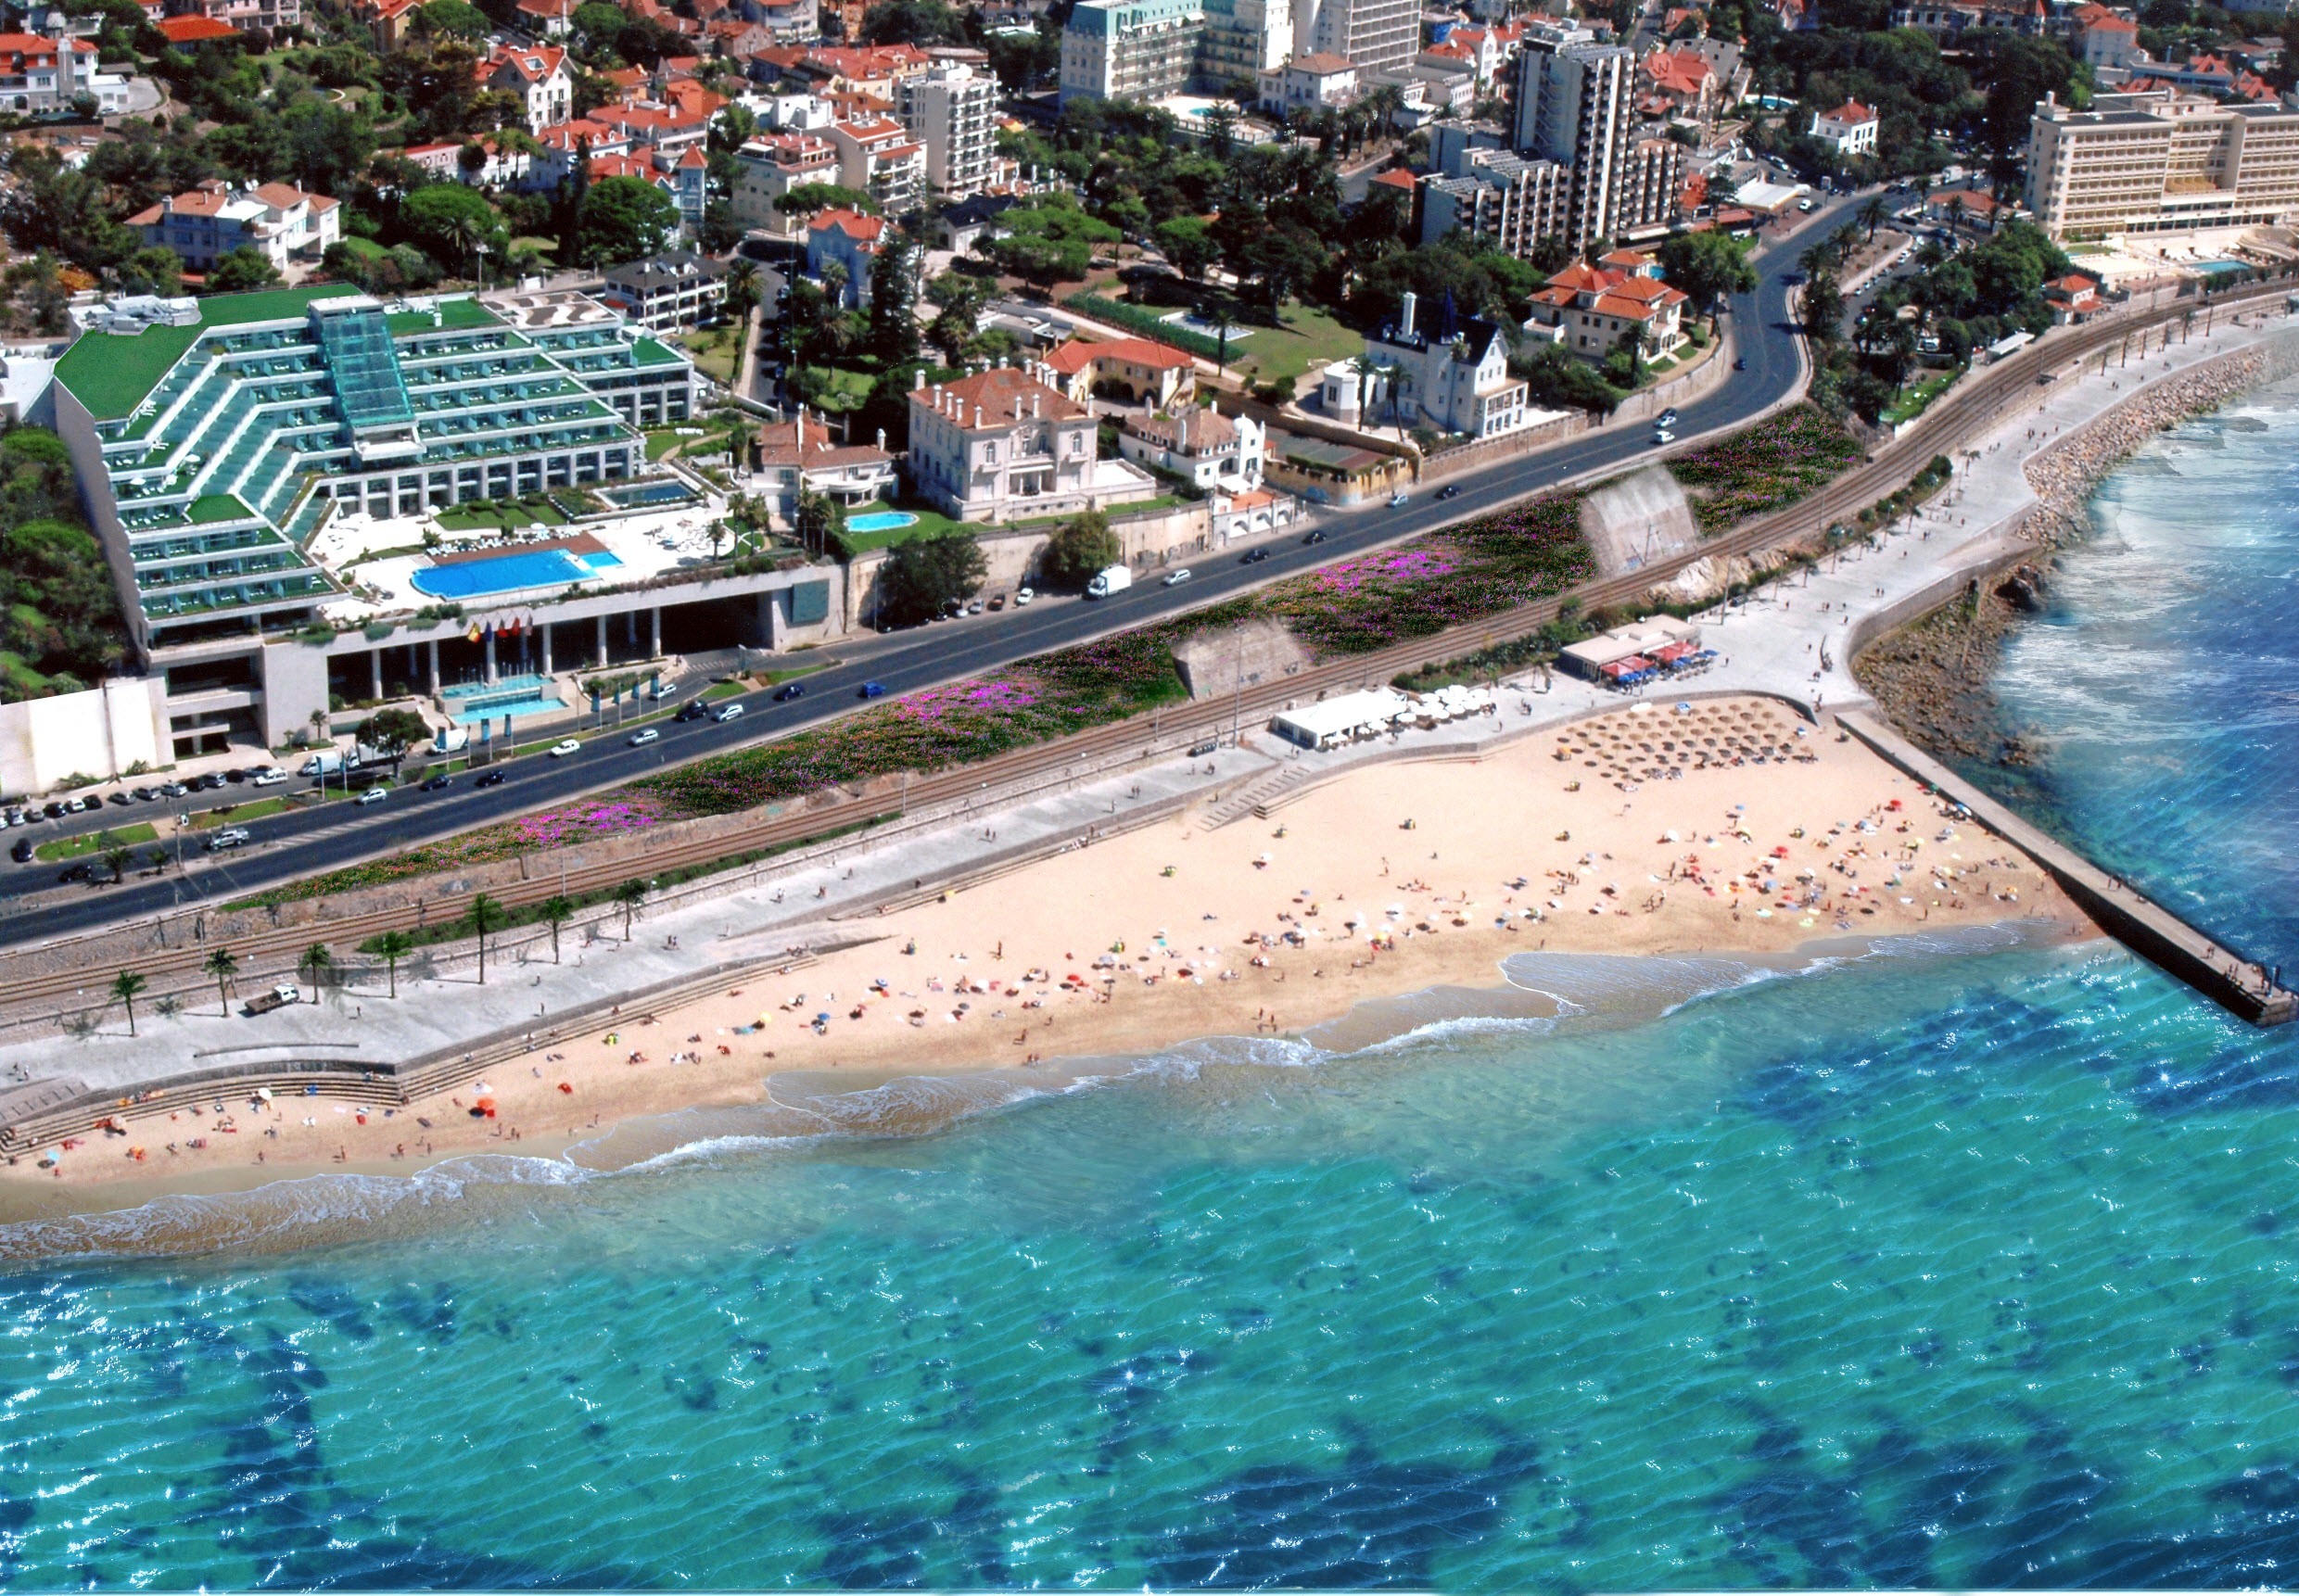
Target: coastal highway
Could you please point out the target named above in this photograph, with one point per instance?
(309, 841)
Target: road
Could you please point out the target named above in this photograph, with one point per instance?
(308, 842)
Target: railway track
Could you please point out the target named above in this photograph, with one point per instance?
(1983, 401)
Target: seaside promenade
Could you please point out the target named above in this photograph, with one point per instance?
(1790, 638)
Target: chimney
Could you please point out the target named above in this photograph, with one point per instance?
(1181, 433)
(1034, 407)
(921, 380)
(882, 440)
(977, 415)
(802, 435)
(1404, 313)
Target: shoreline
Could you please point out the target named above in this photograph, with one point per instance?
(1931, 676)
(1386, 882)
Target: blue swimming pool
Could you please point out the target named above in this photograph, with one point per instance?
(513, 695)
(510, 573)
(639, 493)
(881, 521)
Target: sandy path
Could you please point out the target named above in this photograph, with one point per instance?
(1394, 879)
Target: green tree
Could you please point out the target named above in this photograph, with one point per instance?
(243, 269)
(917, 22)
(819, 520)
(391, 947)
(894, 298)
(221, 964)
(392, 732)
(808, 199)
(453, 223)
(485, 916)
(624, 219)
(125, 985)
(316, 962)
(1079, 547)
(1052, 240)
(924, 576)
(597, 22)
(1823, 307)
(1188, 244)
(556, 911)
(961, 296)
(630, 895)
(1708, 267)
(117, 856)
(454, 20)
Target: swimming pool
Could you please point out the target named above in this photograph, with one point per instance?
(510, 573)
(639, 493)
(512, 695)
(881, 521)
(1190, 323)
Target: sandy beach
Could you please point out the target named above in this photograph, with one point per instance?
(1635, 831)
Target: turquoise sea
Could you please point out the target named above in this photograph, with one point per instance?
(1963, 1260)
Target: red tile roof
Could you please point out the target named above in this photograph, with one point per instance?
(1005, 396)
(192, 29)
(1077, 354)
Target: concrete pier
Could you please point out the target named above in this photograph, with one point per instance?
(2147, 929)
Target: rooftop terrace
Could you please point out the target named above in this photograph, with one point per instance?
(111, 375)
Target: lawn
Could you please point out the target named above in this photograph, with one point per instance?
(929, 523)
(1309, 340)
(132, 835)
(1914, 400)
(714, 350)
(502, 518)
(237, 814)
(111, 376)
(838, 381)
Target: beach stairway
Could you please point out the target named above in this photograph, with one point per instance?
(1262, 798)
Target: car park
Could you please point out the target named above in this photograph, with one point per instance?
(438, 783)
(640, 739)
(561, 750)
(872, 690)
(789, 690)
(373, 795)
(489, 779)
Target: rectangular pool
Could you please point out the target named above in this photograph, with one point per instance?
(512, 695)
(639, 493)
(510, 573)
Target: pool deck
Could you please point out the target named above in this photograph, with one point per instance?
(581, 543)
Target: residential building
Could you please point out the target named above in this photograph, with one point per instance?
(877, 156)
(1209, 451)
(802, 454)
(1850, 128)
(1947, 20)
(390, 22)
(537, 75)
(849, 239)
(952, 112)
(1574, 106)
(1140, 371)
(2106, 38)
(1244, 38)
(2170, 164)
(1679, 83)
(41, 75)
(2073, 297)
(1130, 50)
(195, 29)
(1310, 83)
(1005, 445)
(1455, 379)
(278, 222)
(1376, 36)
(1588, 310)
(212, 439)
(547, 21)
(1509, 201)
(1965, 207)
(768, 167)
(667, 292)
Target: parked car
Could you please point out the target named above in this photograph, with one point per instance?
(120, 798)
(175, 789)
(997, 603)
(1023, 595)
(212, 781)
(561, 750)
(373, 795)
(872, 690)
(438, 783)
(146, 794)
(640, 739)
(270, 776)
(1450, 490)
(1175, 579)
(56, 810)
(788, 690)
(489, 779)
(22, 853)
(729, 711)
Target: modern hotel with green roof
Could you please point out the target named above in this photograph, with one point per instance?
(214, 437)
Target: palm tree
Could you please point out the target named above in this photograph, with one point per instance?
(555, 912)
(1874, 215)
(223, 966)
(630, 895)
(319, 961)
(834, 280)
(485, 914)
(116, 857)
(741, 288)
(1817, 259)
(158, 859)
(391, 947)
(125, 985)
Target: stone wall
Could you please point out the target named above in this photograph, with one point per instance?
(1148, 539)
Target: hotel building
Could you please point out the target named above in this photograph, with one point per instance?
(2159, 162)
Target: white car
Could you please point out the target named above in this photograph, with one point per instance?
(561, 750)
(1662, 435)
(1023, 595)
(230, 837)
(731, 712)
(271, 776)
(640, 739)
(1804, 205)
(1175, 579)
(1396, 501)
(373, 795)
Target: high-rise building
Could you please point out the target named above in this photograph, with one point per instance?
(1510, 202)
(1245, 38)
(1574, 107)
(1374, 34)
(1130, 50)
(953, 111)
(2160, 163)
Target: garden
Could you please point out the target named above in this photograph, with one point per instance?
(1765, 467)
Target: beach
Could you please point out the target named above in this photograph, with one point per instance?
(1729, 824)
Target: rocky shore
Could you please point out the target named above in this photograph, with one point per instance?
(1932, 677)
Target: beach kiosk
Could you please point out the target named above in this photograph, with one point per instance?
(1332, 722)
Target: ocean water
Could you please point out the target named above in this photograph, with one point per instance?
(1959, 1261)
